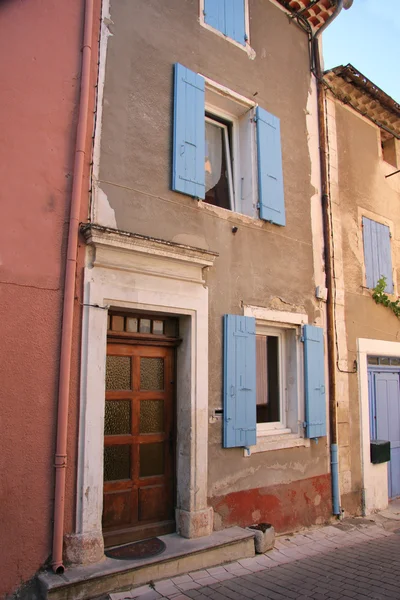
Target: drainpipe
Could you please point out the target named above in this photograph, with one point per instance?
(69, 294)
(316, 68)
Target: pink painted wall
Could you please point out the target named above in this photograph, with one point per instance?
(40, 60)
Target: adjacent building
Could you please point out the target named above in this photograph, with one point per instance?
(363, 130)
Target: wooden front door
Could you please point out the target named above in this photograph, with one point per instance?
(138, 443)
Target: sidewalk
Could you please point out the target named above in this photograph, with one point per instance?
(356, 558)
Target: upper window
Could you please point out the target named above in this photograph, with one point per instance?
(218, 163)
(226, 150)
(388, 144)
(229, 17)
(377, 254)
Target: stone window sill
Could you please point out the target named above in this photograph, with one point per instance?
(280, 441)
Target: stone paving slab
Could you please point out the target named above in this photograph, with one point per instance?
(361, 561)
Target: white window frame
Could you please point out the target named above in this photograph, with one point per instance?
(276, 426)
(289, 431)
(229, 106)
(228, 154)
(247, 48)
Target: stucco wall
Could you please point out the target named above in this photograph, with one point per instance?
(262, 264)
(362, 190)
(40, 50)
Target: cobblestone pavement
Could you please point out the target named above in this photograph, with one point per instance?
(360, 562)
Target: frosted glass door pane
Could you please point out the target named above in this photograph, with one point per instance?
(151, 416)
(117, 419)
(117, 462)
(151, 459)
(151, 373)
(118, 373)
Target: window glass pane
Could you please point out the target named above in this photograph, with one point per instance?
(117, 418)
(216, 167)
(117, 323)
(268, 392)
(117, 462)
(151, 459)
(131, 324)
(384, 361)
(118, 373)
(158, 327)
(151, 373)
(145, 326)
(395, 361)
(373, 360)
(151, 416)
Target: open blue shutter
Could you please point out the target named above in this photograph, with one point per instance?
(270, 177)
(228, 16)
(240, 420)
(214, 14)
(235, 26)
(384, 255)
(377, 253)
(188, 174)
(314, 379)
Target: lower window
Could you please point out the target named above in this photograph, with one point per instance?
(278, 382)
(269, 391)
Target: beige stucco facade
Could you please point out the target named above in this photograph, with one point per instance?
(359, 188)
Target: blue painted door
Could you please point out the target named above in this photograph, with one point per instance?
(387, 426)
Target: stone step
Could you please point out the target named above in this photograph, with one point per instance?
(180, 556)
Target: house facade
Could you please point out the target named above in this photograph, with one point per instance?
(363, 129)
(203, 376)
(182, 313)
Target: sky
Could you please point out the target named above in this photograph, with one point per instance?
(367, 36)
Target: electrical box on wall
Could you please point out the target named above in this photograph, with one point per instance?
(380, 451)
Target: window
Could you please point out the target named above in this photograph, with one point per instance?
(226, 150)
(228, 17)
(269, 384)
(377, 253)
(388, 143)
(264, 370)
(218, 164)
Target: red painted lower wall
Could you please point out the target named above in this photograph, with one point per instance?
(287, 507)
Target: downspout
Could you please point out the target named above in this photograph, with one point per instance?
(316, 68)
(69, 294)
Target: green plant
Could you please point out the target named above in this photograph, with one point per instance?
(380, 297)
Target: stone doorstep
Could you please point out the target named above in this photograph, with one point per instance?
(180, 556)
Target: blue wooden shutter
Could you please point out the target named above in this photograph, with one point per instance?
(377, 253)
(270, 177)
(188, 174)
(228, 16)
(214, 14)
(314, 379)
(235, 26)
(240, 420)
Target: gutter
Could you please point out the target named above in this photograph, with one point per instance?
(69, 295)
(317, 71)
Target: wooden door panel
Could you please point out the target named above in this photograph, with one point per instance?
(119, 509)
(138, 441)
(152, 505)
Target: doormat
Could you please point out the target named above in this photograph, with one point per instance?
(137, 550)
